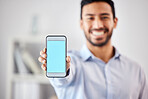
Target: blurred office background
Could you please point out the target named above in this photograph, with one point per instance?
(24, 24)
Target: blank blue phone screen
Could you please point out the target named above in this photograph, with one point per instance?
(56, 56)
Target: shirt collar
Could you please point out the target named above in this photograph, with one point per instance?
(86, 54)
(117, 54)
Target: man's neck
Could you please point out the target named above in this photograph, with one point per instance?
(104, 53)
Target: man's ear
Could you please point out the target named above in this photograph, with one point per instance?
(81, 24)
(115, 22)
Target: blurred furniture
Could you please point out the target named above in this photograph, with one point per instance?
(25, 79)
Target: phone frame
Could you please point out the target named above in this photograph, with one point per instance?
(56, 74)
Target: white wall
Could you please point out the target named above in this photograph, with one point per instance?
(62, 16)
(131, 34)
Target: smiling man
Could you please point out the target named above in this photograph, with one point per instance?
(98, 70)
(98, 22)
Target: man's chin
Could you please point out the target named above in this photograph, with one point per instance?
(98, 44)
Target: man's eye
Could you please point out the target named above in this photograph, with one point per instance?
(90, 18)
(104, 18)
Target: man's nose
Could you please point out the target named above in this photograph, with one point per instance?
(97, 24)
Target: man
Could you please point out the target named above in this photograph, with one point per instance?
(99, 71)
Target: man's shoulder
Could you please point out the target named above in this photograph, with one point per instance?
(129, 62)
(132, 65)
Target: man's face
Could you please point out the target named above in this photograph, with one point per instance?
(98, 23)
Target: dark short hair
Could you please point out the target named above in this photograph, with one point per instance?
(85, 2)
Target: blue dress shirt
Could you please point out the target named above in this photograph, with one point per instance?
(91, 78)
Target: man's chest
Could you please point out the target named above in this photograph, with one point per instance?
(110, 80)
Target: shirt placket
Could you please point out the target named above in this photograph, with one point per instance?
(109, 89)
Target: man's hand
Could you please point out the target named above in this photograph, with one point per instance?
(43, 60)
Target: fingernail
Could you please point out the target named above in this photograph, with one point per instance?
(39, 59)
(44, 49)
(44, 61)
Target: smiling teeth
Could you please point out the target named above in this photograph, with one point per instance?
(98, 33)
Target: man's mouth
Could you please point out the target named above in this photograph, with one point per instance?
(98, 33)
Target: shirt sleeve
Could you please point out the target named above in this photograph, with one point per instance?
(144, 86)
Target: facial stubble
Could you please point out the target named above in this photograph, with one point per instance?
(109, 35)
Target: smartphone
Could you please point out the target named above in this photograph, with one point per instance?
(56, 55)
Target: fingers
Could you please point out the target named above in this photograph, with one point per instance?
(43, 53)
(68, 59)
(44, 50)
(42, 59)
(44, 67)
(68, 66)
